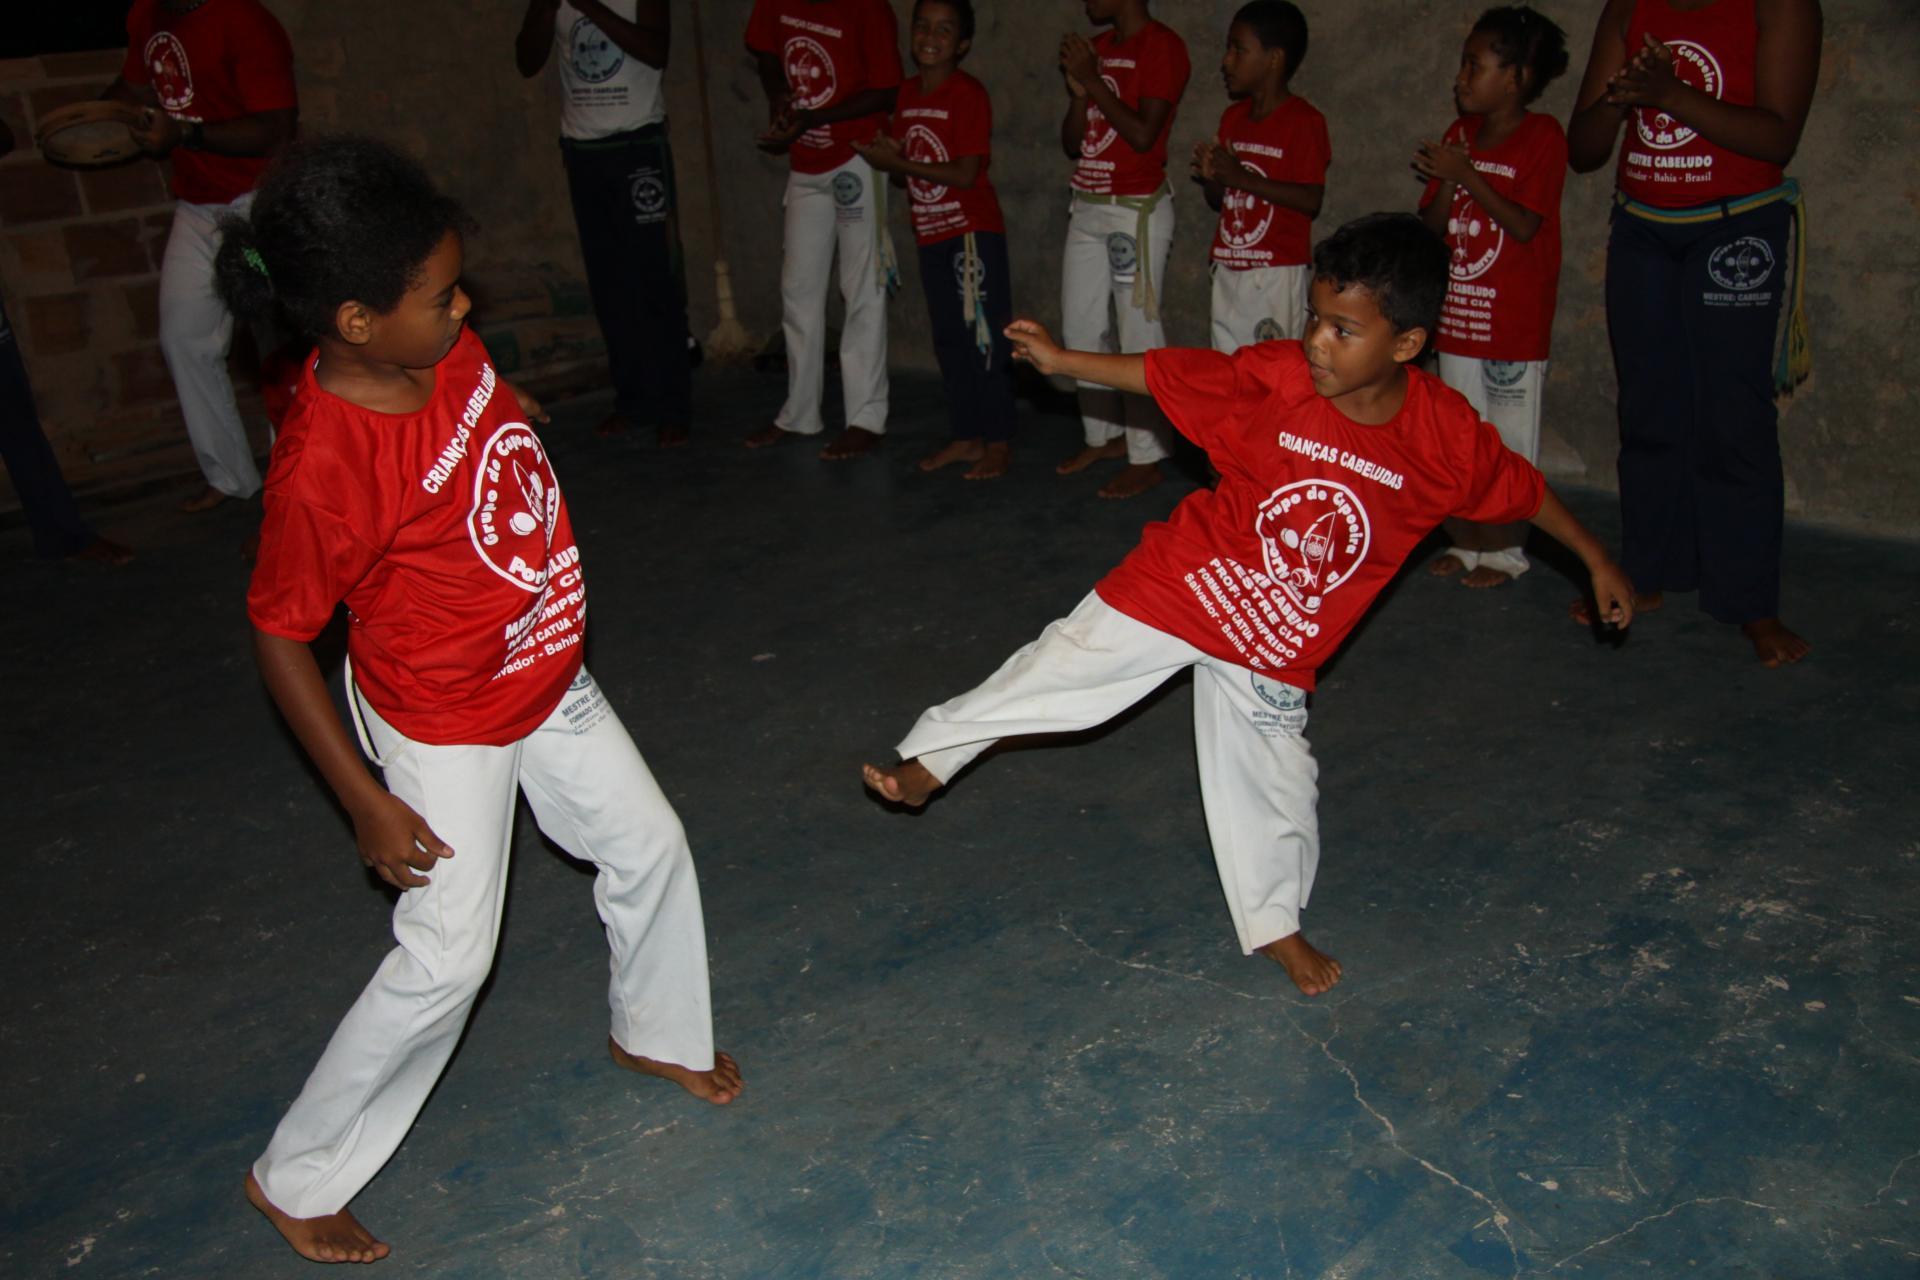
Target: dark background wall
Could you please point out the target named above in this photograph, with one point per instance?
(439, 77)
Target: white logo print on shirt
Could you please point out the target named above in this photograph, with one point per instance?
(166, 61)
(1100, 132)
(924, 146)
(515, 504)
(1244, 217)
(1694, 66)
(810, 75)
(1314, 535)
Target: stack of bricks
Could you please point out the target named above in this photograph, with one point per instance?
(80, 264)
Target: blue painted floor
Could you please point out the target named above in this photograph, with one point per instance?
(1632, 937)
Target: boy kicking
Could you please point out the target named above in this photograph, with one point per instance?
(1336, 457)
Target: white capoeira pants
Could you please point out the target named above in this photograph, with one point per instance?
(196, 333)
(826, 212)
(1257, 772)
(1097, 313)
(594, 797)
(1259, 304)
(1508, 394)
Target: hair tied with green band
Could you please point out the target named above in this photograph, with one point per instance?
(255, 261)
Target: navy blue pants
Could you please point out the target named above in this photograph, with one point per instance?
(625, 206)
(979, 384)
(57, 527)
(1692, 311)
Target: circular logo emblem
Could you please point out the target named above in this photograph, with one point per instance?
(1742, 265)
(1278, 694)
(515, 502)
(649, 194)
(810, 76)
(595, 57)
(1502, 373)
(847, 188)
(1244, 217)
(166, 61)
(1695, 66)
(1474, 238)
(1122, 255)
(1314, 535)
(969, 270)
(1100, 134)
(1268, 330)
(924, 145)
(580, 681)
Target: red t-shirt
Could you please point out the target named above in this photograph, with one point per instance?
(1664, 162)
(1501, 292)
(953, 121)
(1151, 65)
(1290, 145)
(1313, 513)
(444, 532)
(831, 50)
(226, 59)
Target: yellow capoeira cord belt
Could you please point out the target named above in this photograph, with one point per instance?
(974, 271)
(886, 260)
(1144, 296)
(1795, 359)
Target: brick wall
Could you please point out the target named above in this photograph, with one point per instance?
(80, 262)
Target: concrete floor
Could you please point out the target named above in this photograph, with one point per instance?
(1632, 937)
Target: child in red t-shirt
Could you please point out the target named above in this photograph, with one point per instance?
(1124, 86)
(1265, 171)
(408, 482)
(1493, 194)
(1336, 457)
(938, 147)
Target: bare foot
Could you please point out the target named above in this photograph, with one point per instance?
(614, 424)
(953, 451)
(1446, 566)
(909, 784)
(1313, 971)
(673, 437)
(206, 500)
(1483, 577)
(338, 1237)
(993, 462)
(1581, 610)
(1134, 479)
(854, 442)
(1093, 453)
(1775, 645)
(766, 437)
(718, 1086)
(101, 551)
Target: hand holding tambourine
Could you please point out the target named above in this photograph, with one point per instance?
(92, 135)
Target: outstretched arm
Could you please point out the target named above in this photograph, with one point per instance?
(1611, 590)
(1032, 343)
(394, 840)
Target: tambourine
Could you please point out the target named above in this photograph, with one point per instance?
(90, 135)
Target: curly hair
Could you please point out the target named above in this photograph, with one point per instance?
(1527, 39)
(334, 220)
(1396, 258)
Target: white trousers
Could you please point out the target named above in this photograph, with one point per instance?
(1257, 772)
(825, 212)
(1260, 304)
(1097, 314)
(594, 797)
(196, 333)
(1507, 393)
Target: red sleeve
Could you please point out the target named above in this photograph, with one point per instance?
(1308, 151)
(882, 47)
(133, 69)
(260, 59)
(1164, 68)
(1543, 173)
(763, 30)
(309, 560)
(973, 131)
(1502, 486)
(1204, 393)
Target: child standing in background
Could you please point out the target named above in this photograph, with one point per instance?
(1493, 193)
(1124, 87)
(830, 69)
(1265, 172)
(939, 147)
